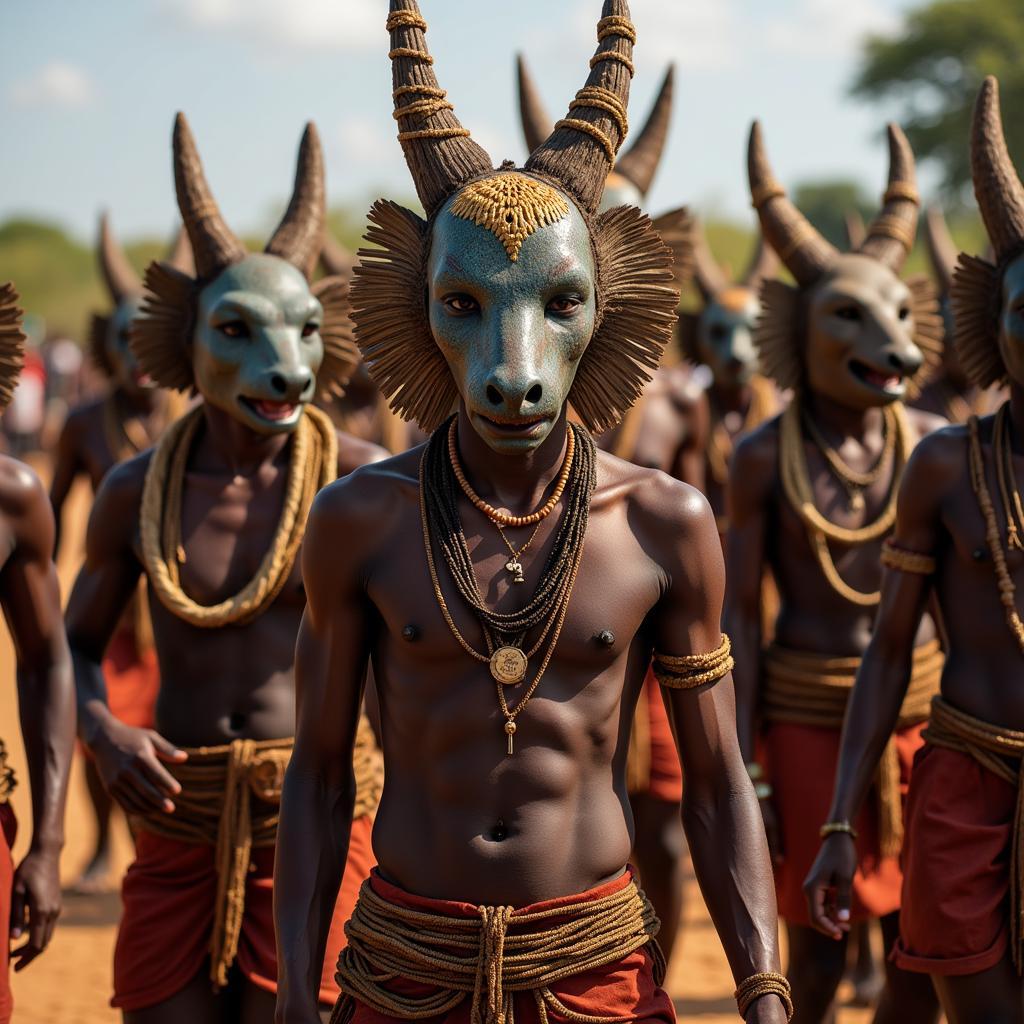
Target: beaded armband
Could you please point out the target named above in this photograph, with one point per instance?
(757, 986)
(903, 560)
(693, 670)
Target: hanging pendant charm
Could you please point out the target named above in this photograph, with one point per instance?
(508, 665)
(514, 566)
(856, 502)
(510, 731)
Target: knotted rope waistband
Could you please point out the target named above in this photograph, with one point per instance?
(490, 957)
(803, 688)
(1000, 751)
(230, 799)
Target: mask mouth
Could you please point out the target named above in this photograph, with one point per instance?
(890, 383)
(512, 426)
(271, 411)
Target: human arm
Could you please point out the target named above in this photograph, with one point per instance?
(690, 462)
(30, 597)
(883, 676)
(720, 812)
(67, 467)
(319, 788)
(128, 759)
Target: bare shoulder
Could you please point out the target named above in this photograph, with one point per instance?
(939, 460)
(114, 519)
(86, 415)
(756, 457)
(25, 507)
(354, 452)
(925, 422)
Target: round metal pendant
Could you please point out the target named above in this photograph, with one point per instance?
(508, 665)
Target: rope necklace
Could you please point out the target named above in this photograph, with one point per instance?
(505, 632)
(1002, 455)
(313, 463)
(721, 442)
(796, 485)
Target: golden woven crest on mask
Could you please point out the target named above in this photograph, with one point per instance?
(511, 207)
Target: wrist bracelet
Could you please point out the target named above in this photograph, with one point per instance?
(831, 828)
(757, 986)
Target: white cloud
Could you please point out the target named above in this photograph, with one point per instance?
(295, 24)
(827, 28)
(56, 84)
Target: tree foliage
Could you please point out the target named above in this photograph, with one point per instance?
(932, 70)
(826, 204)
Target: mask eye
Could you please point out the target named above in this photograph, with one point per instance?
(310, 329)
(564, 305)
(460, 305)
(234, 329)
(717, 332)
(904, 312)
(851, 313)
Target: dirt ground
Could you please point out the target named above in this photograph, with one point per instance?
(71, 982)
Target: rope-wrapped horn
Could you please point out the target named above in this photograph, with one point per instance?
(997, 186)
(890, 235)
(942, 250)
(337, 260)
(179, 255)
(299, 236)
(640, 162)
(581, 150)
(440, 154)
(805, 253)
(214, 245)
(763, 264)
(120, 278)
(856, 229)
(537, 125)
(707, 274)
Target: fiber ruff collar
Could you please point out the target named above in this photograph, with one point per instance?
(636, 300)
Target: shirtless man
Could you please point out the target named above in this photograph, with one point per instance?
(213, 517)
(955, 542)
(504, 813)
(98, 435)
(30, 598)
(812, 495)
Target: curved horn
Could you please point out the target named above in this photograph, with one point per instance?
(121, 279)
(997, 186)
(439, 152)
(942, 250)
(764, 263)
(299, 236)
(806, 254)
(179, 255)
(214, 245)
(707, 274)
(337, 260)
(581, 150)
(891, 234)
(640, 162)
(537, 125)
(856, 231)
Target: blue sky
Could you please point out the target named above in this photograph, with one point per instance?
(88, 91)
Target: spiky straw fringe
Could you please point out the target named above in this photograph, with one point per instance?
(12, 342)
(159, 336)
(775, 336)
(99, 325)
(975, 301)
(391, 327)
(638, 313)
(929, 331)
(676, 229)
(341, 356)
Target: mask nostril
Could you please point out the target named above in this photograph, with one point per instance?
(278, 383)
(533, 395)
(493, 395)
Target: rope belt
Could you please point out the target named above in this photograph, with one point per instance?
(1000, 751)
(488, 958)
(231, 799)
(802, 688)
(8, 780)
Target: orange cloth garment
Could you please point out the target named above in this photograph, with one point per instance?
(956, 858)
(625, 989)
(8, 831)
(653, 763)
(169, 894)
(801, 762)
(132, 678)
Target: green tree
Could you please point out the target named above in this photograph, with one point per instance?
(932, 68)
(827, 203)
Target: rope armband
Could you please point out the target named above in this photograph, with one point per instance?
(693, 670)
(904, 560)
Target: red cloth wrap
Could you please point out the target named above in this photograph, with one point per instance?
(8, 831)
(133, 680)
(168, 897)
(801, 762)
(624, 989)
(956, 856)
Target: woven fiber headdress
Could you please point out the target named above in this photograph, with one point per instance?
(976, 290)
(636, 300)
(12, 342)
(160, 337)
(808, 257)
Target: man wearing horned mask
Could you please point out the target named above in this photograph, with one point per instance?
(213, 517)
(511, 585)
